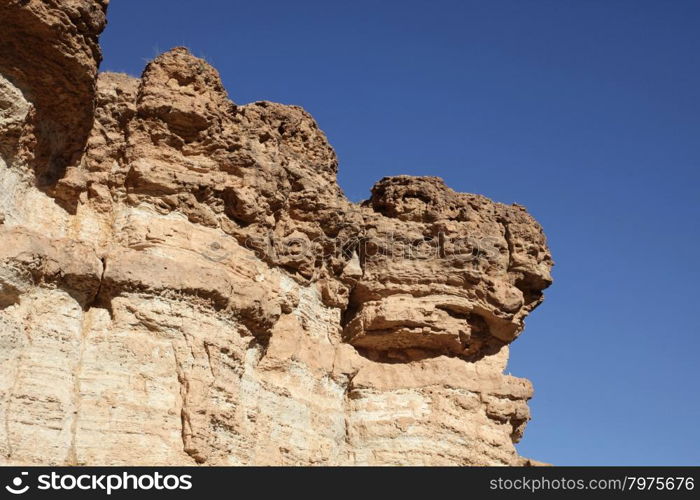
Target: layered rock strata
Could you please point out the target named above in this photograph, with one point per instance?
(182, 281)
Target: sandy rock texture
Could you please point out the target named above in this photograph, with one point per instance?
(182, 281)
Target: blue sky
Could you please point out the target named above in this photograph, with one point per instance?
(587, 112)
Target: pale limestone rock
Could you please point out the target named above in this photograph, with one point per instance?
(182, 280)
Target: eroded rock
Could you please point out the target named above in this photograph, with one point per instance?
(182, 280)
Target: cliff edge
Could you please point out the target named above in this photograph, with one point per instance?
(182, 281)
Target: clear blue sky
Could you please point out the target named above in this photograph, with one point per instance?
(587, 112)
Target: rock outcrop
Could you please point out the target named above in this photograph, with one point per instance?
(182, 281)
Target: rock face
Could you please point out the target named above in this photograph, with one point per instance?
(182, 281)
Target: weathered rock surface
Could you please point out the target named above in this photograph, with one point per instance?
(182, 280)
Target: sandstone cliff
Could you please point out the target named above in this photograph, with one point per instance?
(182, 281)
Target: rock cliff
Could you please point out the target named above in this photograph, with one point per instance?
(182, 281)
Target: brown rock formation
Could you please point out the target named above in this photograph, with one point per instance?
(49, 50)
(182, 280)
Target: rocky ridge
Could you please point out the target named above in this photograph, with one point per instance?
(182, 281)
